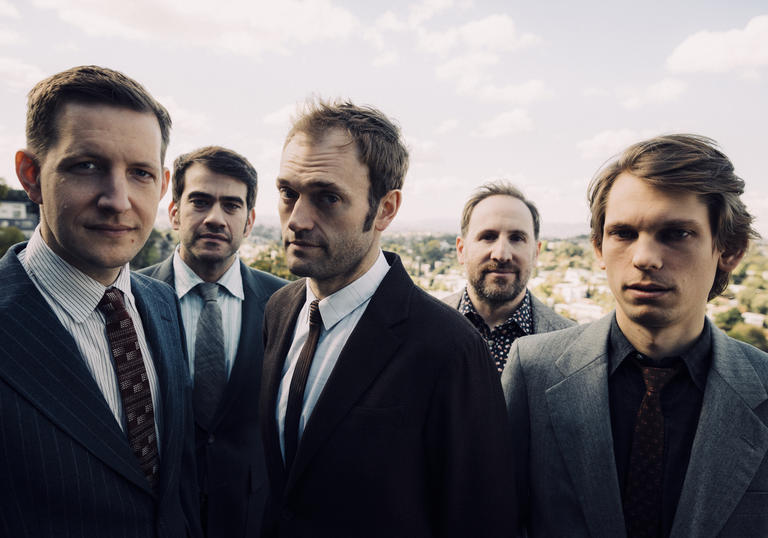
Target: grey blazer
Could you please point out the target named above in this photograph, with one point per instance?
(544, 318)
(566, 483)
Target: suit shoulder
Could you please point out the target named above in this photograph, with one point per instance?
(267, 280)
(149, 270)
(286, 292)
(431, 314)
(157, 288)
(549, 343)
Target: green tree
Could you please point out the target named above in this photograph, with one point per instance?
(750, 334)
(9, 236)
(728, 319)
(272, 260)
(157, 248)
(4, 188)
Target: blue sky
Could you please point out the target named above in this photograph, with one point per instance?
(538, 93)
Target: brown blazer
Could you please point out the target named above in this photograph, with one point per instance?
(409, 436)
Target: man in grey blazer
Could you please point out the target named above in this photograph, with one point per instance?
(214, 192)
(95, 415)
(650, 421)
(499, 245)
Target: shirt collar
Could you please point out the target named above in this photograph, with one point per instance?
(696, 358)
(185, 279)
(521, 317)
(340, 304)
(74, 291)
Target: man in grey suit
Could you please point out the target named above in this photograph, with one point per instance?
(95, 415)
(214, 192)
(650, 421)
(499, 245)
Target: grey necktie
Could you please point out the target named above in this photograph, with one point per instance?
(210, 368)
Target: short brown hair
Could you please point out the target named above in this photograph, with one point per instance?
(220, 161)
(377, 138)
(86, 84)
(501, 188)
(682, 163)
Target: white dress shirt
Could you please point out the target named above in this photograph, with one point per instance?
(230, 301)
(341, 313)
(74, 296)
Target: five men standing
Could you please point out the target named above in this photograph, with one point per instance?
(222, 307)
(650, 421)
(498, 246)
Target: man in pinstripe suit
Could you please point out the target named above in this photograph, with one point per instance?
(94, 163)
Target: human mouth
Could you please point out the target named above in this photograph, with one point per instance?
(114, 230)
(647, 290)
(213, 237)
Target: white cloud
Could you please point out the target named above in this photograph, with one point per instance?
(446, 126)
(8, 10)
(514, 121)
(495, 33)
(518, 94)
(607, 143)
(280, 117)
(664, 91)
(19, 75)
(10, 37)
(386, 58)
(242, 26)
(595, 92)
(184, 119)
(425, 10)
(744, 50)
(467, 70)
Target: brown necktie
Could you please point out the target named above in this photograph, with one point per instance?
(298, 384)
(643, 495)
(132, 381)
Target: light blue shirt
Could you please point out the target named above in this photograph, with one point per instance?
(230, 301)
(340, 312)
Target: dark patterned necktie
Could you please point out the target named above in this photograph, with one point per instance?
(643, 496)
(210, 362)
(299, 383)
(133, 383)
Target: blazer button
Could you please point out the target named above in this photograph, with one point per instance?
(211, 439)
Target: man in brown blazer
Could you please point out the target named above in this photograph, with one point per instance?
(383, 416)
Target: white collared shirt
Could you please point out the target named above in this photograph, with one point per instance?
(341, 312)
(231, 296)
(74, 296)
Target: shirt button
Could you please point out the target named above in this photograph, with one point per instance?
(211, 439)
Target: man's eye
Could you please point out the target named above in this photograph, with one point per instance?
(142, 174)
(622, 234)
(231, 207)
(198, 203)
(676, 234)
(330, 198)
(85, 166)
(287, 194)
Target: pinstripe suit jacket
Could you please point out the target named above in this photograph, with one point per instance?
(66, 468)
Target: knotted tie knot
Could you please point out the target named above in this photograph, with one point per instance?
(209, 291)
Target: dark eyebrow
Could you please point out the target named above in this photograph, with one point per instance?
(207, 196)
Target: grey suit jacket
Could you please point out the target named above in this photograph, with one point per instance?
(66, 467)
(544, 318)
(230, 456)
(566, 484)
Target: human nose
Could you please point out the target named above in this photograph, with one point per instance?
(501, 251)
(646, 254)
(114, 196)
(215, 216)
(300, 217)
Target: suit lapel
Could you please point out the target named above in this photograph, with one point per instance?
(580, 414)
(368, 349)
(250, 348)
(730, 444)
(42, 362)
(282, 317)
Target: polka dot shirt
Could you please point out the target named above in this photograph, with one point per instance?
(500, 338)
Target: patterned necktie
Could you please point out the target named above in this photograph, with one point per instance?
(210, 364)
(132, 380)
(643, 496)
(298, 384)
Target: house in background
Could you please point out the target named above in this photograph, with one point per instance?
(17, 210)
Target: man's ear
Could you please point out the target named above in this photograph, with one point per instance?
(166, 180)
(173, 215)
(28, 172)
(388, 207)
(598, 255)
(460, 249)
(249, 222)
(728, 261)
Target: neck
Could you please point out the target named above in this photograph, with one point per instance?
(328, 286)
(208, 272)
(494, 314)
(659, 342)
